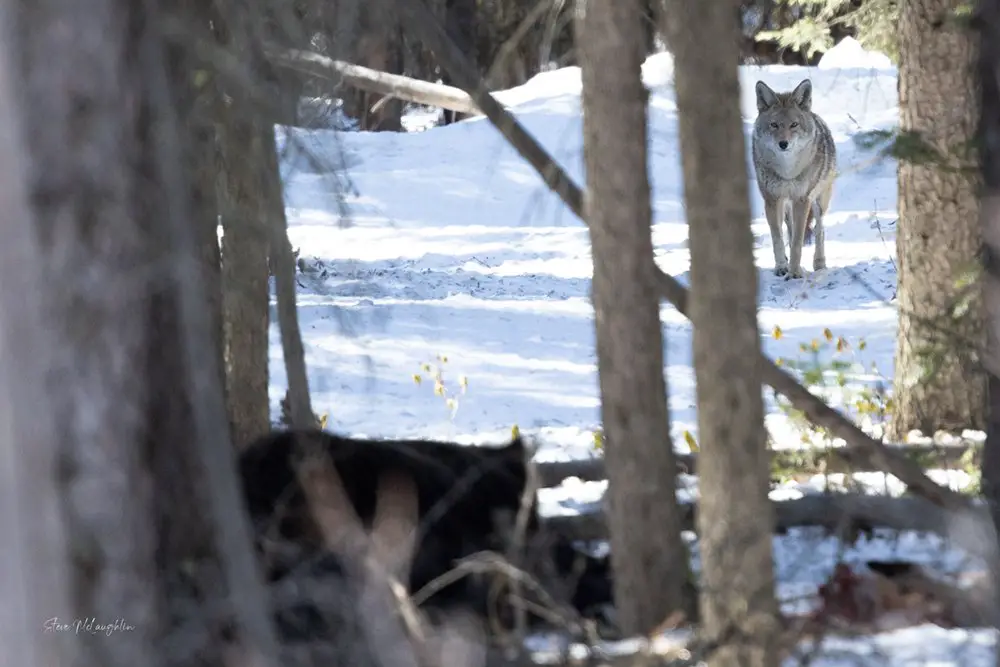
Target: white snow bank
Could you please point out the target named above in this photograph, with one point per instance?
(849, 54)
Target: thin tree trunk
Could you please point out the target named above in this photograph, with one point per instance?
(300, 408)
(246, 294)
(735, 517)
(650, 560)
(939, 383)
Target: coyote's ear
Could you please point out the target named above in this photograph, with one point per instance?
(803, 95)
(766, 98)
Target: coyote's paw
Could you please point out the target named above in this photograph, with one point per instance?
(780, 270)
(819, 264)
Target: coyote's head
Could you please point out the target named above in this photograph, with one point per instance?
(785, 123)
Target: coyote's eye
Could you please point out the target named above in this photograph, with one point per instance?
(774, 126)
(794, 125)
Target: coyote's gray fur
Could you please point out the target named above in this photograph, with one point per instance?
(796, 162)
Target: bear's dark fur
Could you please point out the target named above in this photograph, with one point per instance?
(462, 491)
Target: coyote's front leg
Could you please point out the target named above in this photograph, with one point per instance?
(800, 211)
(774, 211)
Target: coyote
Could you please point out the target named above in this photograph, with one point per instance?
(796, 162)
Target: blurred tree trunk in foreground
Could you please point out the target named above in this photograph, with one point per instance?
(34, 562)
(88, 129)
(111, 178)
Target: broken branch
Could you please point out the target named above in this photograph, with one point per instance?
(373, 81)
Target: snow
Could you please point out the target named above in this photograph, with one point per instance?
(850, 54)
(454, 246)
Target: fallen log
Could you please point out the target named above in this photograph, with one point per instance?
(835, 512)
(806, 461)
(374, 81)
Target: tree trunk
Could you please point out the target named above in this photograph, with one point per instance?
(460, 23)
(650, 560)
(735, 518)
(88, 127)
(989, 146)
(245, 289)
(34, 563)
(379, 46)
(246, 183)
(939, 383)
(111, 180)
(203, 164)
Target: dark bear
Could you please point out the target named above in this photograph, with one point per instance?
(466, 497)
(589, 577)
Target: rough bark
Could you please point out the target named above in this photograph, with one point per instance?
(738, 607)
(939, 383)
(34, 560)
(650, 563)
(245, 295)
(245, 185)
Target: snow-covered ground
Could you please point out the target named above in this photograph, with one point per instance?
(453, 246)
